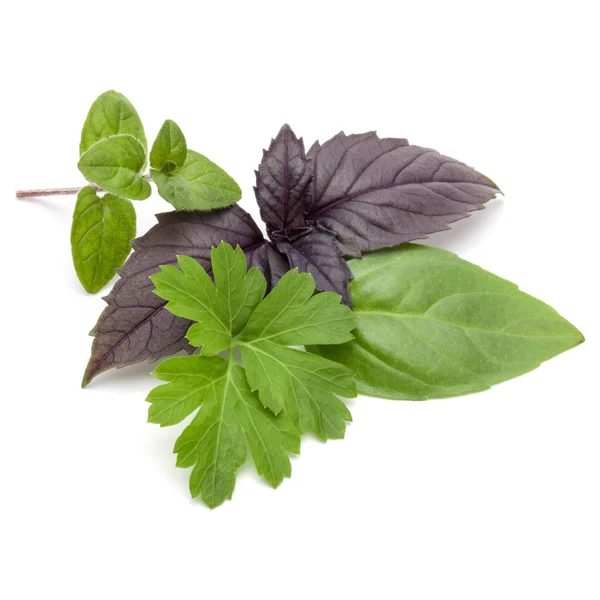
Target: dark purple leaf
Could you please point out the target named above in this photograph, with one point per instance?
(135, 326)
(374, 193)
(269, 260)
(281, 182)
(317, 252)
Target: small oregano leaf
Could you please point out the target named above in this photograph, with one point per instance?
(111, 114)
(198, 185)
(116, 164)
(431, 325)
(101, 233)
(169, 150)
(113, 147)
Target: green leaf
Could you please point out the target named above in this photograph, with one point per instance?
(113, 147)
(291, 315)
(300, 387)
(100, 234)
(198, 185)
(431, 325)
(116, 164)
(169, 150)
(220, 309)
(110, 115)
(304, 384)
(230, 418)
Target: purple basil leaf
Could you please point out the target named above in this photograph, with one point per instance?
(135, 326)
(269, 260)
(281, 182)
(374, 193)
(317, 252)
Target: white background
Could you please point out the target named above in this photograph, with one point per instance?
(492, 495)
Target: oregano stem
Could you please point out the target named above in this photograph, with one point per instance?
(71, 191)
(52, 192)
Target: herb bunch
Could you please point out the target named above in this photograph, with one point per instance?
(335, 275)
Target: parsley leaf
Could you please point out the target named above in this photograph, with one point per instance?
(230, 417)
(291, 315)
(221, 310)
(278, 393)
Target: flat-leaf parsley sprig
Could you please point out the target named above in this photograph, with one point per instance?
(277, 393)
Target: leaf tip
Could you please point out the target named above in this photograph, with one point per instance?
(578, 335)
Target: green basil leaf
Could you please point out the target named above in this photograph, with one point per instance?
(113, 147)
(101, 231)
(431, 325)
(198, 185)
(169, 150)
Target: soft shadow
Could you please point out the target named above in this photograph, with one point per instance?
(467, 232)
(125, 377)
(77, 288)
(160, 447)
(56, 206)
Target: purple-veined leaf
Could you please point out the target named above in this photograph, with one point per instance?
(269, 260)
(375, 193)
(135, 326)
(281, 182)
(316, 251)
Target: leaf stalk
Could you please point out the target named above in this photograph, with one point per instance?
(70, 191)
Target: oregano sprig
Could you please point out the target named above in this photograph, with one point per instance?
(113, 157)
